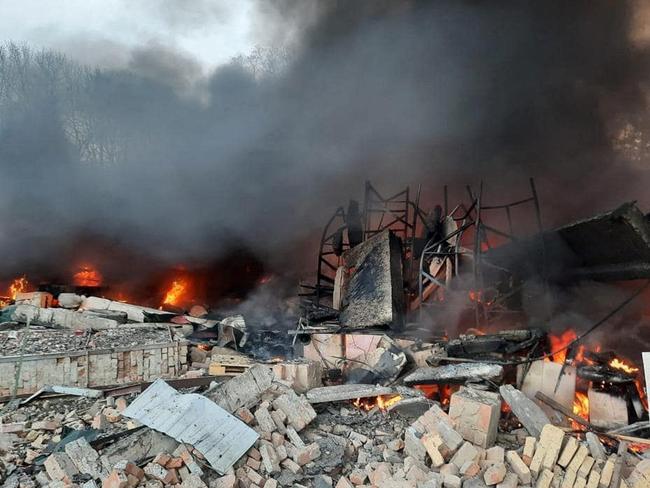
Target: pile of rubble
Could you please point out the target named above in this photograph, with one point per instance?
(255, 431)
(116, 395)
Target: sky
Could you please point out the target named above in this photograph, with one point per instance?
(104, 32)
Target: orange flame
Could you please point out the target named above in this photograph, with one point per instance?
(623, 366)
(482, 296)
(475, 296)
(581, 405)
(87, 276)
(19, 285)
(440, 392)
(176, 292)
(383, 402)
(561, 341)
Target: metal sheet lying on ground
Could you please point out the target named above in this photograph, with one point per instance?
(196, 420)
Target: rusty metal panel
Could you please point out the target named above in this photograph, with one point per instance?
(196, 420)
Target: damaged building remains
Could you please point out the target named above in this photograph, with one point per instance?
(413, 360)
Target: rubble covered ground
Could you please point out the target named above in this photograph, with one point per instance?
(96, 392)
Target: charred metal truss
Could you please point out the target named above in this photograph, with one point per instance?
(332, 244)
(397, 212)
(440, 260)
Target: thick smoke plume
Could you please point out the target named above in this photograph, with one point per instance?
(163, 164)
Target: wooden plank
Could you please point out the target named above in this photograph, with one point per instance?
(226, 370)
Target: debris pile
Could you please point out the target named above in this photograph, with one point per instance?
(254, 430)
(97, 392)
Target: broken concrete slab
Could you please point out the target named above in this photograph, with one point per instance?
(60, 467)
(544, 376)
(454, 373)
(196, 420)
(140, 444)
(381, 366)
(338, 393)
(135, 313)
(61, 317)
(297, 408)
(607, 411)
(243, 390)
(86, 459)
(531, 416)
(74, 391)
(373, 284)
(596, 448)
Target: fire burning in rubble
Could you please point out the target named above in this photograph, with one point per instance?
(581, 405)
(620, 364)
(87, 275)
(19, 285)
(561, 341)
(442, 393)
(581, 401)
(176, 292)
(383, 402)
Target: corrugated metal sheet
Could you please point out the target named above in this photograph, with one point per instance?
(196, 420)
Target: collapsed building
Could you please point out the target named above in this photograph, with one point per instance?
(362, 383)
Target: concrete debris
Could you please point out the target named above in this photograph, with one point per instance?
(135, 313)
(339, 393)
(411, 407)
(382, 366)
(61, 317)
(454, 373)
(531, 416)
(298, 410)
(607, 411)
(139, 444)
(555, 380)
(86, 459)
(272, 424)
(242, 391)
(596, 448)
(69, 390)
(338, 446)
(475, 413)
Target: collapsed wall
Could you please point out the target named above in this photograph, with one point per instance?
(63, 357)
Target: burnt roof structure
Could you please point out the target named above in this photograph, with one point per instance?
(612, 246)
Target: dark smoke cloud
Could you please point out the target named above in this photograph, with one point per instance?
(402, 93)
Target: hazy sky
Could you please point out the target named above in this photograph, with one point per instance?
(98, 31)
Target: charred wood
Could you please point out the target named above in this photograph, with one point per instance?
(503, 342)
(600, 374)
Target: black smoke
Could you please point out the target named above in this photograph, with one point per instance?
(179, 166)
